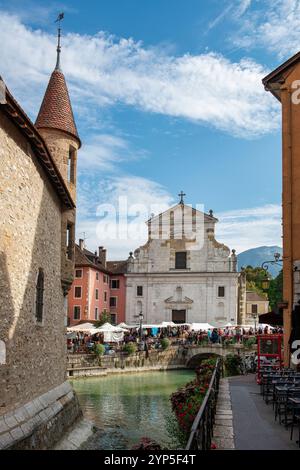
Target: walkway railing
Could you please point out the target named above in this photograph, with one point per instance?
(202, 428)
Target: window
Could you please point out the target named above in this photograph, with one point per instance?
(115, 284)
(105, 279)
(254, 308)
(76, 312)
(71, 165)
(105, 296)
(97, 276)
(70, 240)
(221, 291)
(97, 294)
(78, 273)
(113, 301)
(139, 291)
(113, 318)
(39, 299)
(96, 313)
(77, 292)
(180, 260)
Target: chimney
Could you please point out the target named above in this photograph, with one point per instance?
(102, 256)
(81, 244)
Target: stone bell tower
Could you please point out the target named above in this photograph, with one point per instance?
(56, 124)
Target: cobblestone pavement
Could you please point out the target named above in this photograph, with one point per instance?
(254, 427)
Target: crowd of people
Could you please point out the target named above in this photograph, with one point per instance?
(181, 334)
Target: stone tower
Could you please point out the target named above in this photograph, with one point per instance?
(56, 124)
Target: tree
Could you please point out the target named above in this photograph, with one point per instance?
(255, 278)
(275, 292)
(104, 318)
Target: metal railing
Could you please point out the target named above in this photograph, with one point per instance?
(202, 428)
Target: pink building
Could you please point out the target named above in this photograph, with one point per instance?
(95, 288)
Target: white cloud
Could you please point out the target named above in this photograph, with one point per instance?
(275, 26)
(249, 228)
(104, 151)
(103, 71)
(119, 234)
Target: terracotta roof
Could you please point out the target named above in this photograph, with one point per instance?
(87, 258)
(117, 267)
(255, 297)
(56, 109)
(20, 119)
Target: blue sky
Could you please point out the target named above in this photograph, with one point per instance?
(167, 96)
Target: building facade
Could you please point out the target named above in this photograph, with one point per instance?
(283, 83)
(257, 304)
(182, 274)
(37, 218)
(98, 286)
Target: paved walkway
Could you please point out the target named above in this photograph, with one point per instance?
(223, 429)
(254, 427)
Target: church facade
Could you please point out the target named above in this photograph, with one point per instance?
(182, 274)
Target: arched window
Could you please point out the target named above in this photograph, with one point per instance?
(39, 299)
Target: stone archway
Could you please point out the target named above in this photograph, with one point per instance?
(195, 360)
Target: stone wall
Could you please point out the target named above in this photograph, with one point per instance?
(40, 423)
(88, 365)
(30, 238)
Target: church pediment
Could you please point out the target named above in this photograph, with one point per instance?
(185, 300)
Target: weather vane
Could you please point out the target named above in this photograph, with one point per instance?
(59, 20)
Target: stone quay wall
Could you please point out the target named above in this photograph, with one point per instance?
(176, 357)
(42, 422)
(85, 365)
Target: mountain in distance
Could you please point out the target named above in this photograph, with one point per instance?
(256, 256)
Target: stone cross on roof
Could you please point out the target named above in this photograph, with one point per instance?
(181, 195)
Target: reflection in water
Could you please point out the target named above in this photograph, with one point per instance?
(128, 407)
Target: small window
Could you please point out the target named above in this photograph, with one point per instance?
(77, 292)
(96, 313)
(115, 284)
(113, 301)
(39, 302)
(139, 291)
(97, 276)
(113, 318)
(70, 240)
(76, 312)
(221, 291)
(180, 260)
(97, 294)
(78, 273)
(254, 308)
(71, 165)
(105, 296)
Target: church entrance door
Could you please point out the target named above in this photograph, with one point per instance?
(179, 316)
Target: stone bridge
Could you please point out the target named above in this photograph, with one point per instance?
(193, 354)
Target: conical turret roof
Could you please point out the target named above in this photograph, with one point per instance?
(56, 109)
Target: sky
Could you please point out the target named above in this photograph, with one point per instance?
(167, 96)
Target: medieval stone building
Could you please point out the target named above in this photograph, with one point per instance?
(37, 225)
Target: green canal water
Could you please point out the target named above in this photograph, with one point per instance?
(128, 407)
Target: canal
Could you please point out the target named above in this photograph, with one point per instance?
(130, 406)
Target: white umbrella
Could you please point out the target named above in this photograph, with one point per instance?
(85, 327)
(123, 325)
(165, 324)
(201, 326)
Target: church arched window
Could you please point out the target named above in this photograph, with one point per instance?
(39, 299)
